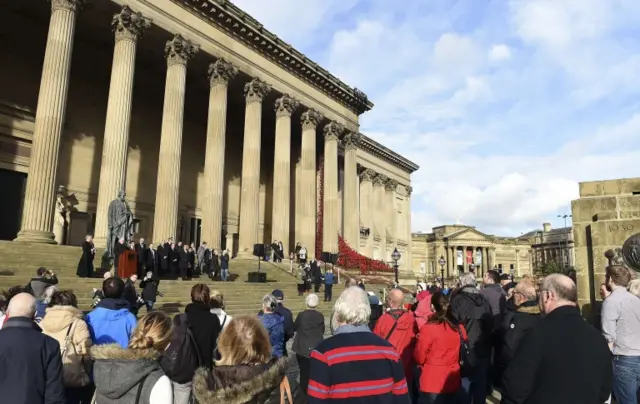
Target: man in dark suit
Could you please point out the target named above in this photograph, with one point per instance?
(563, 359)
(185, 262)
(30, 362)
(152, 262)
(163, 260)
(141, 252)
(174, 260)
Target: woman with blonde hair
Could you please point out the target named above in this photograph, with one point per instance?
(65, 323)
(246, 372)
(133, 375)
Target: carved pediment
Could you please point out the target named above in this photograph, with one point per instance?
(468, 235)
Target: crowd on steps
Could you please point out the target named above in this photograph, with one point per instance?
(525, 340)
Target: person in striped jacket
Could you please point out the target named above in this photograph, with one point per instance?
(355, 365)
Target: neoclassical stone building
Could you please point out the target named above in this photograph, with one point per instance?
(463, 246)
(216, 128)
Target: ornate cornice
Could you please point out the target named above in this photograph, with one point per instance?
(241, 26)
(220, 72)
(129, 25)
(380, 180)
(386, 154)
(67, 5)
(391, 185)
(179, 50)
(367, 175)
(256, 90)
(351, 140)
(310, 119)
(285, 105)
(332, 131)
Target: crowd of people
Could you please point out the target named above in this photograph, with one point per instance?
(527, 340)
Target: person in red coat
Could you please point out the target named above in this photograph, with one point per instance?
(399, 328)
(437, 354)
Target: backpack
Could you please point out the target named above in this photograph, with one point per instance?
(182, 358)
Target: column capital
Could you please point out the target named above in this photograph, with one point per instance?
(351, 140)
(380, 180)
(391, 185)
(285, 105)
(367, 175)
(332, 131)
(67, 5)
(128, 24)
(220, 72)
(310, 119)
(256, 90)
(179, 50)
(409, 189)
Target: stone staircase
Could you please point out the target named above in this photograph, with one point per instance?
(19, 262)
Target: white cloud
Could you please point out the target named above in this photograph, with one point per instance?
(499, 53)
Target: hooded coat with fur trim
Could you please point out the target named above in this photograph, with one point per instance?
(242, 384)
(118, 372)
(517, 321)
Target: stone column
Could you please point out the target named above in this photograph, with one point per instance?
(127, 26)
(332, 132)
(220, 73)
(255, 91)
(280, 230)
(377, 208)
(409, 253)
(39, 198)
(308, 186)
(366, 204)
(390, 202)
(350, 211)
(177, 51)
(485, 264)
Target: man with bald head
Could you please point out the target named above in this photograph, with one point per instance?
(30, 362)
(522, 314)
(399, 328)
(562, 359)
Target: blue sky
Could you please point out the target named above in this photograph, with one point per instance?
(506, 105)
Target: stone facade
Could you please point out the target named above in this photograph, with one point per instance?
(462, 246)
(551, 246)
(604, 217)
(212, 125)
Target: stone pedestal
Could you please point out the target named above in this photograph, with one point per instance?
(308, 185)
(350, 213)
(220, 73)
(128, 27)
(280, 229)
(255, 91)
(178, 51)
(37, 215)
(332, 133)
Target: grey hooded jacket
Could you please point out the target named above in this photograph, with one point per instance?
(118, 373)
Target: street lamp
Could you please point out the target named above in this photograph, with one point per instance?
(395, 256)
(442, 263)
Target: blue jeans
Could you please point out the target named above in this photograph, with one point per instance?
(149, 304)
(475, 387)
(224, 274)
(626, 378)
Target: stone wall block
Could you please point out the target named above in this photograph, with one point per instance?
(584, 210)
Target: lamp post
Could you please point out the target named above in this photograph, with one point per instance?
(395, 256)
(442, 263)
(566, 241)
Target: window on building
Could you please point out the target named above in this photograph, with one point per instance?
(500, 267)
(137, 225)
(511, 267)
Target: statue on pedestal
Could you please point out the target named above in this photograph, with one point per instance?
(120, 223)
(61, 219)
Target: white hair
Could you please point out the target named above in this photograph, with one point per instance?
(48, 294)
(312, 301)
(269, 303)
(468, 279)
(352, 307)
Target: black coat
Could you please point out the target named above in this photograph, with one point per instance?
(473, 311)
(153, 261)
(163, 257)
(85, 266)
(141, 250)
(517, 321)
(130, 294)
(562, 360)
(205, 327)
(309, 326)
(149, 289)
(30, 365)
(185, 259)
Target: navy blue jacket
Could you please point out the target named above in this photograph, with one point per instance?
(30, 365)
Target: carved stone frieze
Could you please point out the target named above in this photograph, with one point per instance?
(67, 5)
(179, 50)
(332, 131)
(286, 105)
(391, 185)
(256, 90)
(220, 72)
(128, 24)
(367, 175)
(310, 119)
(351, 140)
